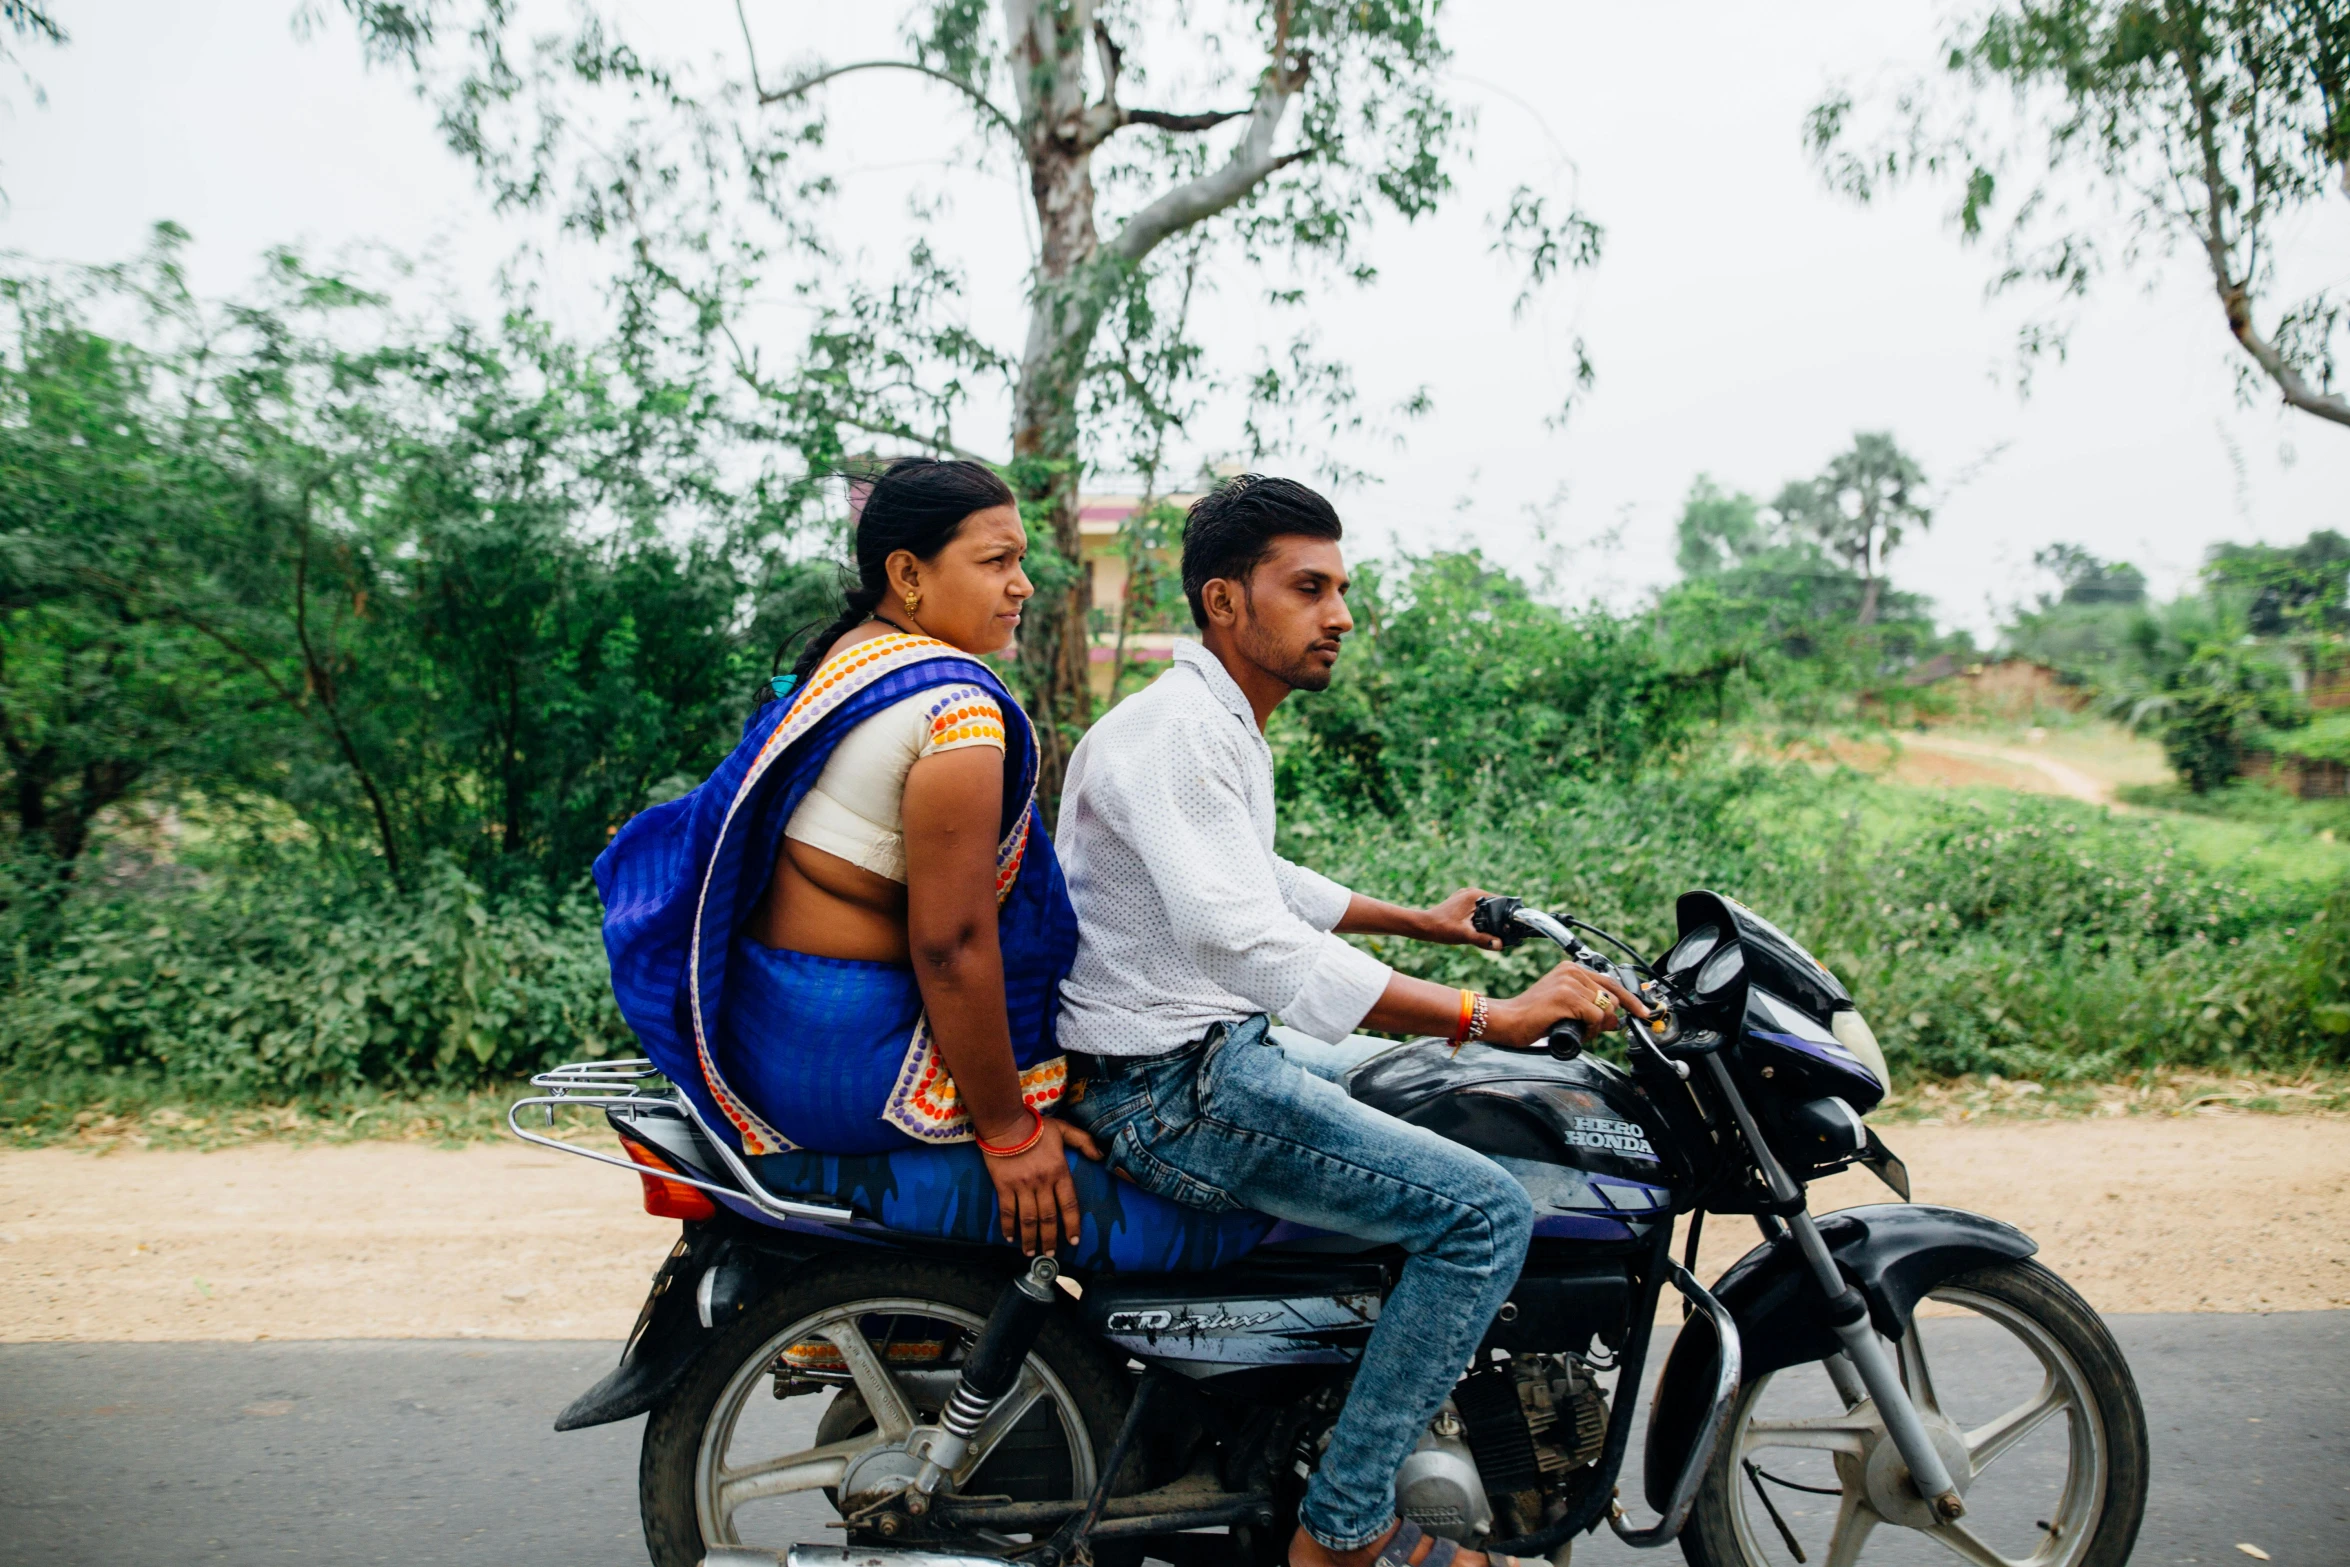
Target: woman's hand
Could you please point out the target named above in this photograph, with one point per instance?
(1036, 1199)
(1569, 990)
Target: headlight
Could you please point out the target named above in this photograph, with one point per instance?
(1852, 1032)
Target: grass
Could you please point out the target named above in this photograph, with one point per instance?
(1967, 1099)
(102, 1115)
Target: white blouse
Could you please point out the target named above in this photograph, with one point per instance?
(857, 808)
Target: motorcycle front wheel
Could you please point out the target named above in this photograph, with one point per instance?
(2035, 1412)
(815, 1390)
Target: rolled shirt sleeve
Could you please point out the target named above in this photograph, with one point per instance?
(1254, 924)
(1314, 897)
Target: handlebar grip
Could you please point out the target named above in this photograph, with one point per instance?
(1566, 1039)
(1498, 917)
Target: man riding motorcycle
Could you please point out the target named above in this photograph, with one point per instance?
(1193, 934)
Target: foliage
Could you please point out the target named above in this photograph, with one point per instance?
(473, 595)
(1859, 508)
(711, 180)
(1458, 678)
(283, 977)
(2292, 590)
(1790, 627)
(2028, 936)
(2211, 125)
(2084, 579)
(2209, 706)
(2211, 673)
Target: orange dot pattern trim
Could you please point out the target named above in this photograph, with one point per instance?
(964, 716)
(926, 1105)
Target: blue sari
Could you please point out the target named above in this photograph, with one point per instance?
(778, 1048)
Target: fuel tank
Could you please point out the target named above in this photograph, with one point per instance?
(1579, 1134)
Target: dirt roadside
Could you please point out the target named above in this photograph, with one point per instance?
(389, 1240)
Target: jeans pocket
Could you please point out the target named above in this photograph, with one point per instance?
(1131, 1153)
(1234, 1056)
(1106, 1106)
(1173, 1087)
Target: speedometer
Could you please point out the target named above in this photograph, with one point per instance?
(1720, 970)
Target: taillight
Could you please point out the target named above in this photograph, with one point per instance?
(668, 1199)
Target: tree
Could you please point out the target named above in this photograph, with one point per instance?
(476, 595)
(2297, 588)
(1719, 530)
(2084, 579)
(2208, 124)
(1312, 117)
(1859, 508)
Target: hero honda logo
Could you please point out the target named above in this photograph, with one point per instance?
(1162, 1319)
(1608, 1133)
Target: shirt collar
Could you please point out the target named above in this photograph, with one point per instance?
(1220, 683)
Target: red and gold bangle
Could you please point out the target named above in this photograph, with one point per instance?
(1035, 1136)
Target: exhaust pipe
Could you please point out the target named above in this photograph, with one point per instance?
(838, 1556)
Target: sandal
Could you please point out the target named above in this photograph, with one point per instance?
(1397, 1552)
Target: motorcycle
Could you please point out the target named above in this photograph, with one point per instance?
(932, 1402)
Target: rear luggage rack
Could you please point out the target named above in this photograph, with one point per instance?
(636, 1087)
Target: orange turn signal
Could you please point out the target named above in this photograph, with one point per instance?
(668, 1199)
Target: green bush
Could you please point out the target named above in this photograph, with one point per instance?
(1458, 674)
(262, 985)
(2028, 936)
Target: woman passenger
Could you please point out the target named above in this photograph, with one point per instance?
(879, 927)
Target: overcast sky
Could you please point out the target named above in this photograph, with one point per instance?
(1744, 322)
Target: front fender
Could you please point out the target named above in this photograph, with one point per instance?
(1893, 1253)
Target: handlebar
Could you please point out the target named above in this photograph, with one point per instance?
(1512, 921)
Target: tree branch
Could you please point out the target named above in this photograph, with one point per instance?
(1166, 120)
(322, 682)
(817, 79)
(1251, 164)
(2235, 294)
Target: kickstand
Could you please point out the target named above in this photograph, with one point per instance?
(1072, 1541)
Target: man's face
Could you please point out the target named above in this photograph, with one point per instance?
(1292, 612)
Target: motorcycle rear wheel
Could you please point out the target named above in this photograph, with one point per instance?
(2089, 1518)
(695, 1479)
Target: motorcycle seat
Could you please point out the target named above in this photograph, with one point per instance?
(945, 1194)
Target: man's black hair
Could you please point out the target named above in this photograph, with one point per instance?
(1230, 530)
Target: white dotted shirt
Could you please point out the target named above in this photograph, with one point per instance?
(1185, 916)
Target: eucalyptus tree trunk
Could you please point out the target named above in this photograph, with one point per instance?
(1077, 275)
(1048, 43)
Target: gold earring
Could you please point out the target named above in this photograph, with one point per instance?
(913, 602)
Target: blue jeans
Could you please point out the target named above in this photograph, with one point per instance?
(1250, 1120)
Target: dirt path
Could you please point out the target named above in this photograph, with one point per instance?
(390, 1240)
(2061, 777)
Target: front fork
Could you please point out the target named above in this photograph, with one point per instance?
(1864, 1360)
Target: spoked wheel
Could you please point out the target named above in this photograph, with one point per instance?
(2027, 1397)
(795, 1423)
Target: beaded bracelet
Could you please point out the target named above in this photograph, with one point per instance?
(1035, 1136)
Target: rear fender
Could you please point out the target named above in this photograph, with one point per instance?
(670, 1333)
(1893, 1253)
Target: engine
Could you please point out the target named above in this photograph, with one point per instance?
(1501, 1446)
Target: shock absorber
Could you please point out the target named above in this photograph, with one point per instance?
(989, 1372)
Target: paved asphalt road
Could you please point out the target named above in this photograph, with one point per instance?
(430, 1452)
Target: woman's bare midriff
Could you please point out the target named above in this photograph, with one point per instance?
(822, 905)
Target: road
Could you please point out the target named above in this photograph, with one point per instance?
(428, 1452)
